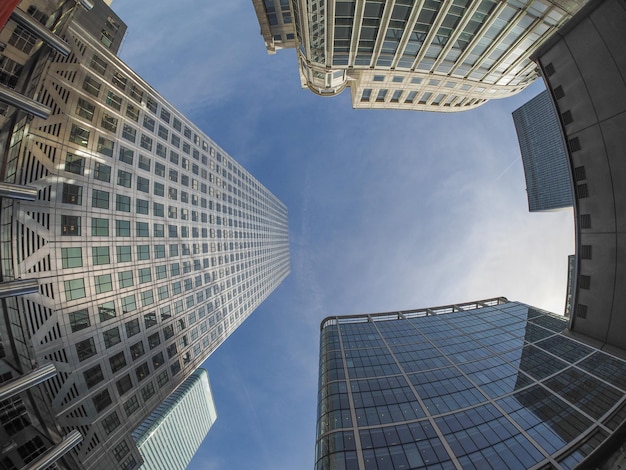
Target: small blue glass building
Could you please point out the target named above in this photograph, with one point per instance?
(544, 156)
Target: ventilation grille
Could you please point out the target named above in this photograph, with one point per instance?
(581, 311)
(585, 252)
(585, 220)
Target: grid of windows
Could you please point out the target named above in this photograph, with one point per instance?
(497, 386)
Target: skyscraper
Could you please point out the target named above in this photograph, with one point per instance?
(172, 434)
(489, 384)
(546, 166)
(429, 55)
(139, 244)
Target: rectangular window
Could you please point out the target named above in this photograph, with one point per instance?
(175, 141)
(129, 133)
(131, 405)
(148, 391)
(85, 109)
(106, 311)
(153, 340)
(126, 155)
(72, 194)
(111, 423)
(79, 320)
(165, 115)
(74, 289)
(136, 93)
(109, 122)
(113, 100)
(159, 169)
(117, 362)
(122, 228)
(142, 229)
(149, 321)
(143, 184)
(159, 189)
(158, 230)
(144, 163)
(161, 271)
(159, 251)
(132, 112)
(129, 304)
(158, 360)
(105, 146)
(132, 328)
(100, 255)
(91, 86)
(111, 337)
(71, 258)
(148, 123)
(99, 199)
(147, 298)
(74, 164)
(85, 349)
(163, 132)
(100, 227)
(145, 275)
(146, 142)
(151, 104)
(101, 400)
(124, 178)
(122, 203)
(141, 206)
(161, 151)
(119, 81)
(158, 209)
(125, 384)
(103, 283)
(79, 136)
(125, 278)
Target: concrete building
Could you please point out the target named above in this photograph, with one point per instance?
(132, 245)
(544, 155)
(428, 55)
(584, 66)
(189, 412)
(488, 384)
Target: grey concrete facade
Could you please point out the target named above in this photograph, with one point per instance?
(584, 67)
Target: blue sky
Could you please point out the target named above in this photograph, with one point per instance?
(387, 210)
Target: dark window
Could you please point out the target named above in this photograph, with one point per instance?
(102, 400)
(93, 376)
(72, 194)
(79, 320)
(111, 423)
(117, 361)
(132, 328)
(142, 371)
(85, 349)
(124, 384)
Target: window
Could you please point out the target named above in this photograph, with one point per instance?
(132, 112)
(71, 258)
(163, 132)
(158, 360)
(79, 136)
(148, 391)
(149, 321)
(91, 86)
(141, 229)
(93, 376)
(128, 304)
(117, 361)
(151, 104)
(124, 384)
(142, 371)
(106, 311)
(111, 422)
(119, 81)
(123, 254)
(100, 227)
(147, 298)
(131, 405)
(143, 185)
(79, 320)
(161, 271)
(22, 40)
(148, 123)
(85, 109)
(85, 349)
(158, 230)
(100, 255)
(113, 100)
(159, 169)
(172, 193)
(168, 332)
(172, 350)
(109, 122)
(122, 228)
(101, 400)
(143, 252)
(144, 163)
(72, 194)
(125, 278)
(159, 189)
(176, 142)
(122, 203)
(99, 199)
(105, 147)
(74, 289)
(165, 115)
(132, 328)
(103, 283)
(161, 151)
(111, 337)
(158, 209)
(141, 206)
(146, 142)
(9, 72)
(145, 275)
(162, 378)
(129, 133)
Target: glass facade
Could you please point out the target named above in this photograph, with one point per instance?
(492, 384)
(545, 158)
(432, 55)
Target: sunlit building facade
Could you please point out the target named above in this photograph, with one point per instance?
(429, 55)
(489, 384)
(132, 244)
(172, 434)
(544, 155)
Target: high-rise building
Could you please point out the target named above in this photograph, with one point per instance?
(132, 245)
(189, 413)
(544, 155)
(489, 384)
(429, 55)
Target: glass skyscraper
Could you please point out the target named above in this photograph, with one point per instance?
(490, 384)
(544, 155)
(172, 434)
(138, 245)
(429, 55)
